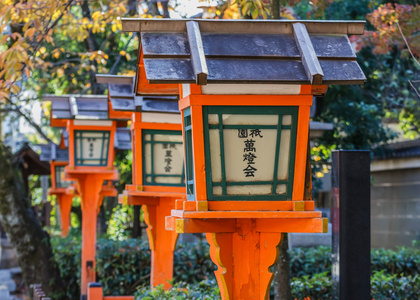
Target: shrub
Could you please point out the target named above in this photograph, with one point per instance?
(387, 286)
(318, 286)
(206, 290)
(309, 261)
(122, 266)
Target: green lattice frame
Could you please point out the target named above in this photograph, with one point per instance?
(103, 161)
(152, 143)
(250, 110)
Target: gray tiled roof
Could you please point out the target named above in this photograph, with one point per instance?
(121, 91)
(245, 51)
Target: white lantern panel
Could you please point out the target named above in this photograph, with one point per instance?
(249, 151)
(217, 190)
(250, 119)
(216, 168)
(281, 189)
(249, 156)
(91, 147)
(284, 155)
(247, 190)
(148, 161)
(163, 157)
(287, 120)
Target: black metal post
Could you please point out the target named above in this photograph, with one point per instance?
(351, 225)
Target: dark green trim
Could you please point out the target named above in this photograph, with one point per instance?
(248, 126)
(232, 183)
(222, 155)
(78, 159)
(189, 159)
(279, 111)
(153, 143)
(276, 159)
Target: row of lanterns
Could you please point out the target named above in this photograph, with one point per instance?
(237, 111)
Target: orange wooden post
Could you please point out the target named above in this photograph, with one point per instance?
(162, 242)
(245, 108)
(90, 164)
(64, 202)
(90, 186)
(63, 190)
(92, 133)
(157, 162)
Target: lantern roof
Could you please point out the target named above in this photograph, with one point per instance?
(83, 107)
(122, 97)
(53, 151)
(248, 51)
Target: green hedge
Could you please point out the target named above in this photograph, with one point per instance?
(315, 287)
(124, 266)
(309, 261)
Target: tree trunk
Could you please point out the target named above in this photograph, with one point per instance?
(136, 221)
(30, 242)
(275, 9)
(281, 279)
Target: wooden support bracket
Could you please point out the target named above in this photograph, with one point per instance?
(198, 58)
(309, 59)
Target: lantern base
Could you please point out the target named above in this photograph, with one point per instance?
(156, 206)
(244, 249)
(243, 260)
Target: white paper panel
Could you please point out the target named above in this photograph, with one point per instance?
(281, 189)
(250, 119)
(216, 170)
(161, 118)
(217, 190)
(249, 189)
(283, 170)
(94, 147)
(287, 120)
(169, 160)
(148, 160)
(237, 155)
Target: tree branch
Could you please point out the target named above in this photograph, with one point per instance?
(408, 46)
(31, 122)
(119, 56)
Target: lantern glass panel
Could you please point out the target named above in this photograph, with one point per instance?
(164, 158)
(59, 182)
(91, 147)
(250, 152)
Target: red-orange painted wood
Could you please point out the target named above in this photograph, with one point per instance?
(245, 100)
(144, 87)
(162, 242)
(89, 185)
(95, 293)
(301, 152)
(64, 202)
(243, 260)
(198, 153)
(244, 214)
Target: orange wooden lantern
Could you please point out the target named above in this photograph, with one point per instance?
(91, 141)
(247, 88)
(62, 189)
(158, 166)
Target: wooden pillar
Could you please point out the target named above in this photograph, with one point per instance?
(64, 202)
(162, 242)
(95, 291)
(90, 188)
(244, 259)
